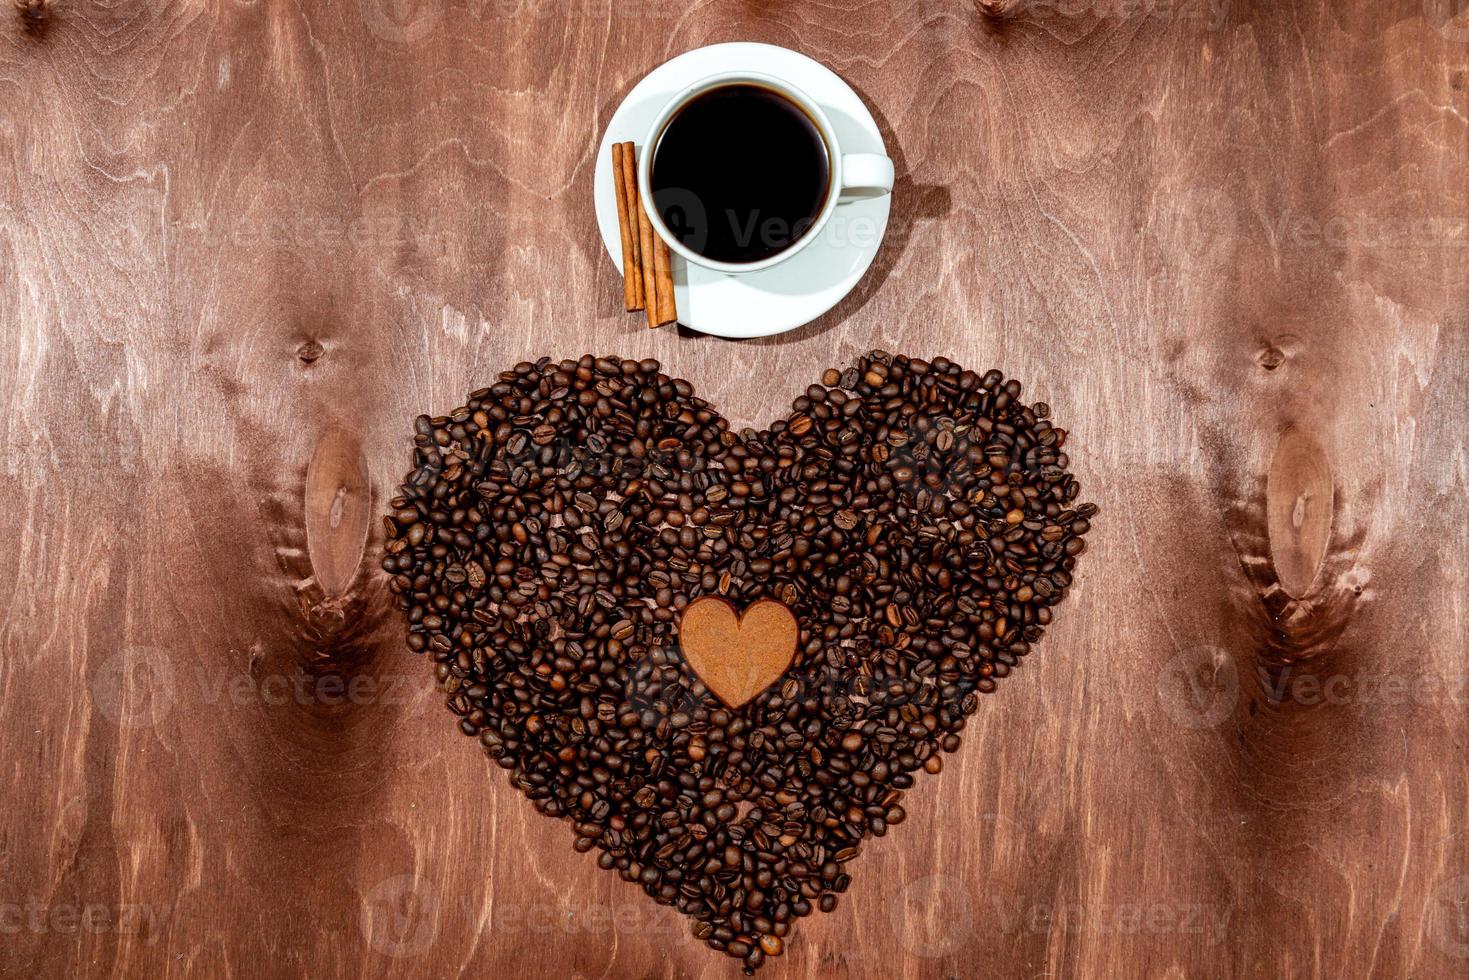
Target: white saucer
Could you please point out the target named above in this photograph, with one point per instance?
(812, 281)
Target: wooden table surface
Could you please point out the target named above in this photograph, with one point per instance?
(242, 244)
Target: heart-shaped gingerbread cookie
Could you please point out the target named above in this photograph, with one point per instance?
(915, 520)
(737, 654)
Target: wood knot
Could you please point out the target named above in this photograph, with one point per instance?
(338, 498)
(35, 15)
(1270, 357)
(1298, 510)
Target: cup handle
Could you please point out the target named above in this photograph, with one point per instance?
(865, 176)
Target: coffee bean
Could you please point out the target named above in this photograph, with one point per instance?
(917, 518)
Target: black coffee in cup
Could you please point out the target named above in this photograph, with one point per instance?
(740, 173)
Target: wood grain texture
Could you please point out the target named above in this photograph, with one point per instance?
(237, 237)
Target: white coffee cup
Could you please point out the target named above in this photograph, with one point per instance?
(852, 176)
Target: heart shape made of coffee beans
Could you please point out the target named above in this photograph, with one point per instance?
(917, 519)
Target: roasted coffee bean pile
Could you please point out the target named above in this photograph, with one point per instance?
(916, 517)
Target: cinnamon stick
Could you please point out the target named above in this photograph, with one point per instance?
(663, 276)
(626, 185)
(657, 261)
(645, 239)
